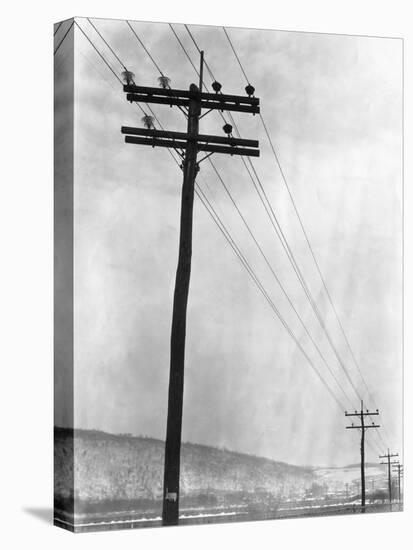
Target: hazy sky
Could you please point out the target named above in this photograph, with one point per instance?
(332, 105)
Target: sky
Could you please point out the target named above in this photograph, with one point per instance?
(333, 108)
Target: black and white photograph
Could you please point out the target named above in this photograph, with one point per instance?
(228, 274)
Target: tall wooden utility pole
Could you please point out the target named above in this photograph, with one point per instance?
(363, 427)
(187, 145)
(389, 463)
(399, 469)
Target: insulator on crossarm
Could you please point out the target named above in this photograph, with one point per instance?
(216, 86)
(250, 90)
(128, 77)
(147, 121)
(227, 128)
(164, 81)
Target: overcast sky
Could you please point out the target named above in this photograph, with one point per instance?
(332, 105)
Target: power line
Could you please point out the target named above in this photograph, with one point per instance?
(183, 47)
(374, 450)
(182, 109)
(117, 77)
(161, 72)
(251, 233)
(306, 234)
(111, 83)
(100, 54)
(104, 59)
(306, 289)
(245, 164)
(191, 62)
(299, 274)
(318, 266)
(57, 28)
(268, 299)
(303, 283)
(279, 281)
(120, 81)
(290, 255)
(125, 67)
(178, 164)
(282, 237)
(236, 55)
(107, 44)
(62, 59)
(199, 51)
(175, 160)
(189, 57)
(313, 254)
(64, 36)
(144, 47)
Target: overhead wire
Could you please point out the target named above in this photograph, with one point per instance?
(287, 249)
(251, 233)
(279, 231)
(183, 109)
(64, 36)
(277, 228)
(57, 28)
(245, 263)
(236, 55)
(184, 49)
(299, 217)
(257, 282)
(197, 47)
(304, 230)
(120, 81)
(149, 108)
(261, 288)
(250, 270)
(270, 267)
(107, 44)
(145, 48)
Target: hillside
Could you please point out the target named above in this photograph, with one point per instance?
(125, 468)
(122, 472)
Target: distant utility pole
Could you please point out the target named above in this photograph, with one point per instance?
(363, 427)
(191, 102)
(389, 463)
(399, 469)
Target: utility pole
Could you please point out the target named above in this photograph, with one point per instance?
(363, 427)
(389, 463)
(191, 102)
(399, 469)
